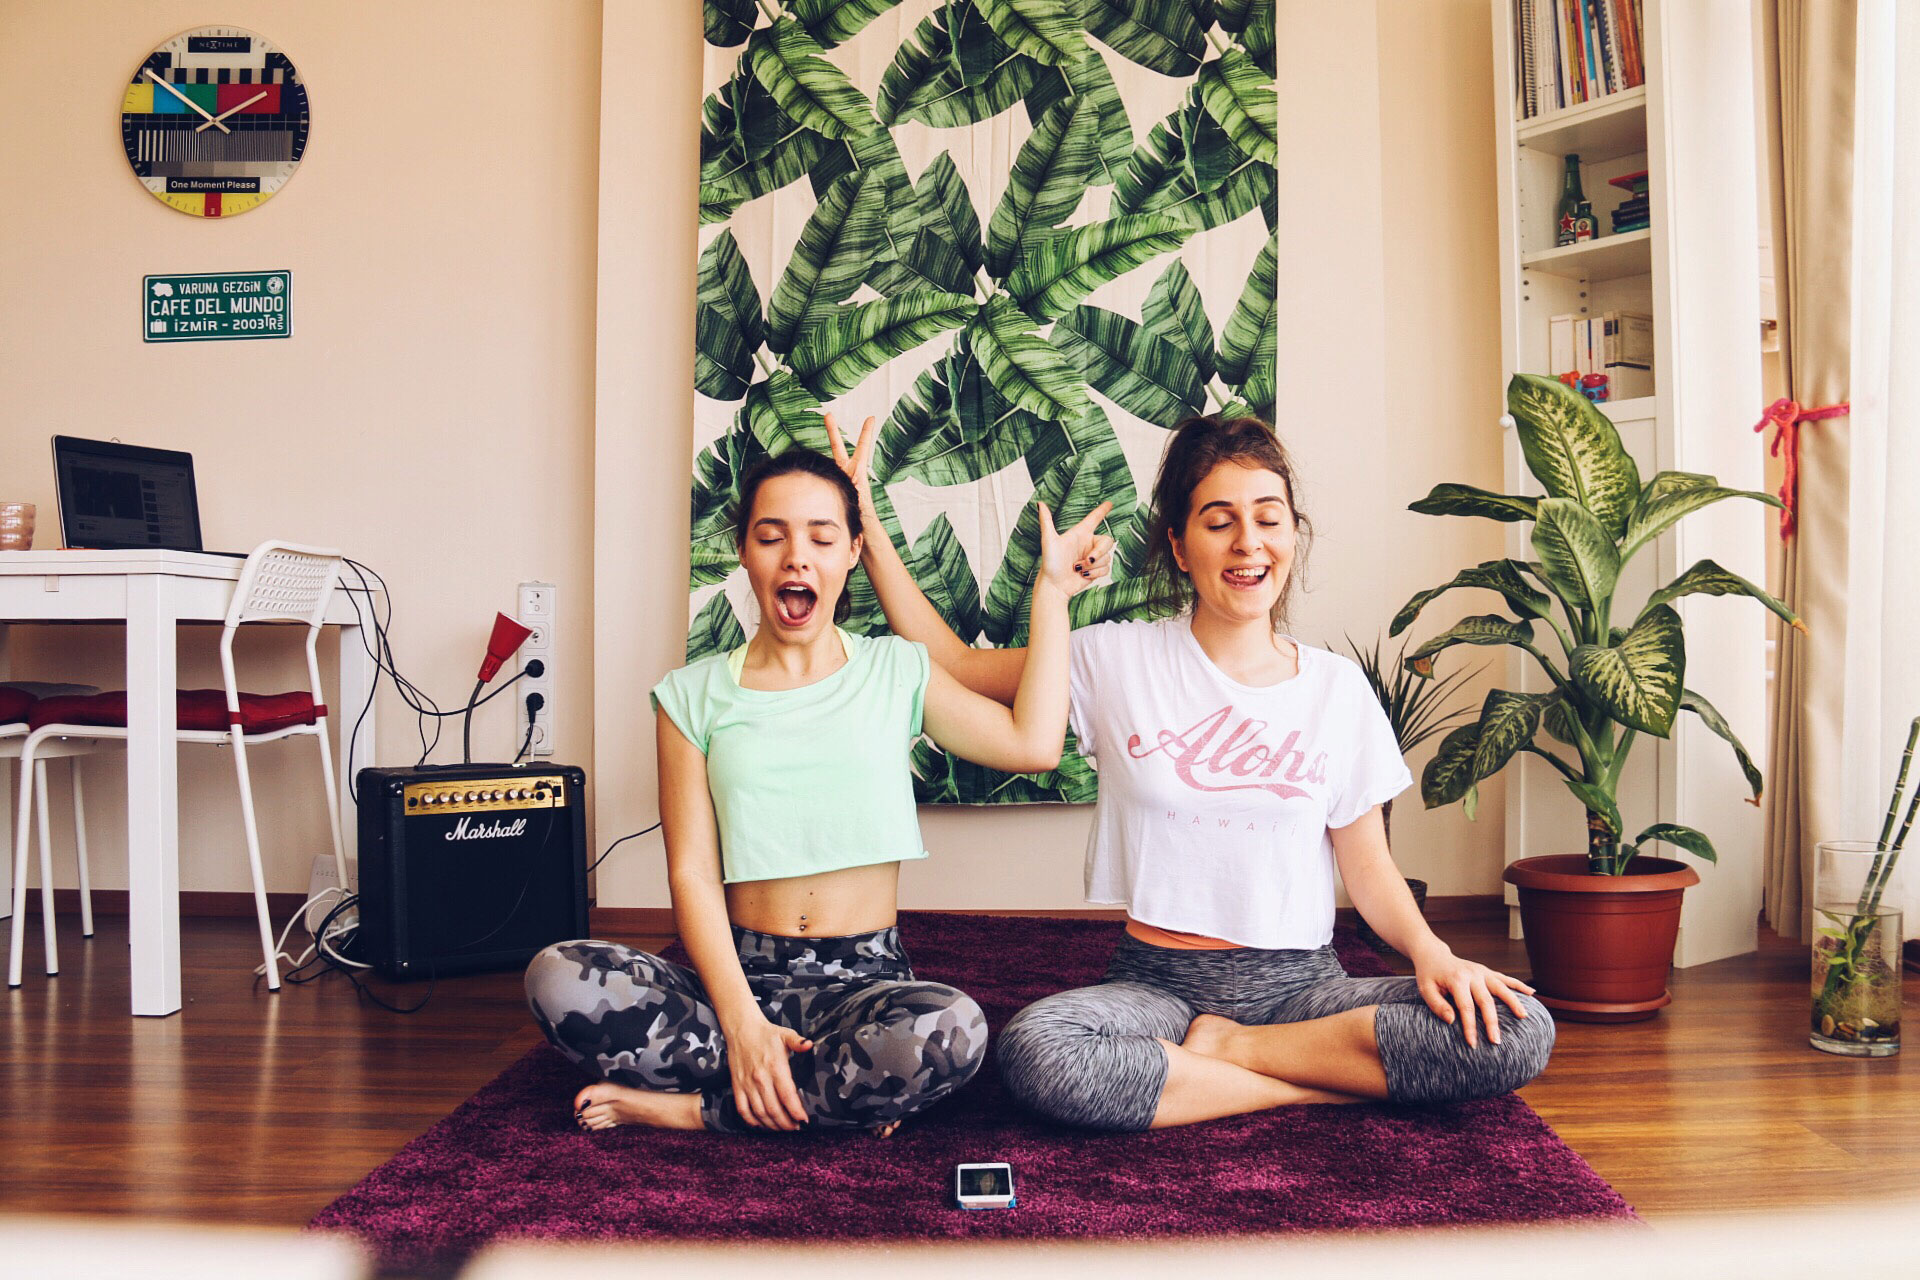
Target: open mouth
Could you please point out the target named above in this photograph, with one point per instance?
(795, 604)
(1246, 578)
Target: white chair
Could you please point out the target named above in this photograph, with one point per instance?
(13, 734)
(281, 582)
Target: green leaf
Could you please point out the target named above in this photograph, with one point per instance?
(952, 427)
(1709, 716)
(1090, 82)
(929, 263)
(1508, 722)
(714, 630)
(1694, 842)
(1095, 471)
(1022, 365)
(1048, 179)
(1449, 773)
(1174, 313)
(942, 194)
(1556, 721)
(1162, 176)
(717, 205)
(943, 568)
(1637, 681)
(1493, 575)
(1233, 15)
(727, 325)
(1044, 30)
(1465, 500)
(782, 415)
(1247, 343)
(810, 90)
(728, 22)
(843, 349)
(1485, 628)
(1258, 39)
(1057, 272)
(1238, 95)
(1708, 578)
(733, 176)
(716, 478)
(712, 557)
(1671, 495)
(1160, 35)
(833, 21)
(1576, 555)
(1126, 600)
(836, 249)
(1598, 801)
(948, 78)
(1470, 803)
(1573, 450)
(1149, 378)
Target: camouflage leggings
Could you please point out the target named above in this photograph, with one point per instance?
(884, 1045)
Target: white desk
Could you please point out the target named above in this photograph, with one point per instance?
(151, 592)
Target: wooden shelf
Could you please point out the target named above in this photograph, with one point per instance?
(1607, 258)
(1597, 131)
(1634, 409)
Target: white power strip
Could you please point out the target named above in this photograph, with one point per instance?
(538, 610)
(324, 876)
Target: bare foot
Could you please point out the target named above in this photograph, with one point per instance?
(1209, 1035)
(886, 1130)
(604, 1105)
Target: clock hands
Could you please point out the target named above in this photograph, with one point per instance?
(189, 101)
(215, 120)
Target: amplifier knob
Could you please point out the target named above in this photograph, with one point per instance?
(472, 796)
(494, 796)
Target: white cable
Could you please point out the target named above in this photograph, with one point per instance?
(299, 917)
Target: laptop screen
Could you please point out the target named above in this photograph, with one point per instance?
(121, 496)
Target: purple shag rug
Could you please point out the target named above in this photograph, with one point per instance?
(510, 1163)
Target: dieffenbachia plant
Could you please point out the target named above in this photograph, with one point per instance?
(1609, 683)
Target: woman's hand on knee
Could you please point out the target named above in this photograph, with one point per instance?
(758, 1054)
(1467, 991)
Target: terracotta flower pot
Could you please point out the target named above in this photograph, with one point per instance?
(1601, 946)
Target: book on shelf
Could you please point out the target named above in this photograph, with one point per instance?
(1616, 343)
(1567, 52)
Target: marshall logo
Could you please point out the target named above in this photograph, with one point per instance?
(465, 829)
(1204, 756)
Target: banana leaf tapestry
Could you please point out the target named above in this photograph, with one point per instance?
(1029, 235)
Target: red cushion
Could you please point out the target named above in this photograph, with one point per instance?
(204, 709)
(14, 705)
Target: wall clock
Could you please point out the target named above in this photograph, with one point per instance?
(214, 121)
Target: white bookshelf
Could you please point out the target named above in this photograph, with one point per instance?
(1693, 270)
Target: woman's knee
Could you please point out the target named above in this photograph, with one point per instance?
(1429, 1061)
(1526, 1043)
(1064, 1066)
(932, 1036)
(557, 978)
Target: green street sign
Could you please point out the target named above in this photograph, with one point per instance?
(216, 305)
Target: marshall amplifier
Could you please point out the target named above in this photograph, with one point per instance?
(469, 867)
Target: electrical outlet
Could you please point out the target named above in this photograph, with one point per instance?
(325, 876)
(538, 608)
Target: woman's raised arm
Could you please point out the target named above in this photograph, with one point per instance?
(1081, 558)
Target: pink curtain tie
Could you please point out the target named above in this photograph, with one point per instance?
(1786, 416)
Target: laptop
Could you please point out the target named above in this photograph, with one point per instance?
(120, 497)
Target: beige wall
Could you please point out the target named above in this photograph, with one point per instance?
(446, 416)
(431, 414)
(1389, 354)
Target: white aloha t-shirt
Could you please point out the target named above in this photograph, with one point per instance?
(1216, 797)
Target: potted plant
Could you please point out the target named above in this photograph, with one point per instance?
(1600, 926)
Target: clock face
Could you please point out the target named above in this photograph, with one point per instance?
(214, 121)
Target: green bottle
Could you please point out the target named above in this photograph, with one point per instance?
(1571, 198)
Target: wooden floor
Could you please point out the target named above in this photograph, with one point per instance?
(253, 1108)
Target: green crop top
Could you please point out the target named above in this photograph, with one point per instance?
(811, 779)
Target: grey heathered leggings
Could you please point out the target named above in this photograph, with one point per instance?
(1092, 1056)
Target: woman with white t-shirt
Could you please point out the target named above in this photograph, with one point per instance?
(1237, 768)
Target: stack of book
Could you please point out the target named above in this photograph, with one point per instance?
(1571, 51)
(1618, 344)
(1632, 213)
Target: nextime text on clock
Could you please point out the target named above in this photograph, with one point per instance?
(215, 121)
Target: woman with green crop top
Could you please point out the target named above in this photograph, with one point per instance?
(787, 801)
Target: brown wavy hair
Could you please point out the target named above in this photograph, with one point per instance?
(1195, 448)
(804, 462)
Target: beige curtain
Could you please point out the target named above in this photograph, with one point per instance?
(1817, 41)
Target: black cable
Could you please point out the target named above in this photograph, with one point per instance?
(525, 743)
(617, 843)
(466, 726)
